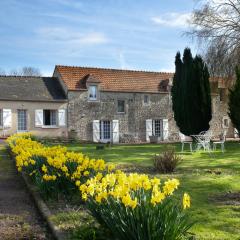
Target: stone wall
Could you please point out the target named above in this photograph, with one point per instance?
(132, 123)
(219, 112)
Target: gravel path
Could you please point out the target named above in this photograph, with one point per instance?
(19, 218)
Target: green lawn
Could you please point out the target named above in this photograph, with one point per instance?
(217, 214)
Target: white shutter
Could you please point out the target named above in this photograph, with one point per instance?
(7, 118)
(148, 129)
(38, 117)
(236, 133)
(96, 130)
(115, 129)
(165, 129)
(62, 117)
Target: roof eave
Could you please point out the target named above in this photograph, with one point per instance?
(34, 100)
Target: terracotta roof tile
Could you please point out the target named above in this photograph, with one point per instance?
(75, 78)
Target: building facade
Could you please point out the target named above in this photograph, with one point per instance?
(99, 105)
(107, 105)
(34, 104)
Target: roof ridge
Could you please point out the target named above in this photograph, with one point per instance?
(20, 76)
(16, 76)
(115, 69)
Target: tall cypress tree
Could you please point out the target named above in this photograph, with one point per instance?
(234, 102)
(176, 86)
(191, 94)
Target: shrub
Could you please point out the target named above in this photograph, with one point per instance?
(136, 207)
(167, 161)
(54, 169)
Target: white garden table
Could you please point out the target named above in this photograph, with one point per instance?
(203, 141)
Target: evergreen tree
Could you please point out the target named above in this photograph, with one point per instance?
(234, 102)
(191, 94)
(175, 93)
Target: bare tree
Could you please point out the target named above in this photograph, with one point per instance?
(30, 71)
(26, 71)
(216, 25)
(220, 61)
(14, 72)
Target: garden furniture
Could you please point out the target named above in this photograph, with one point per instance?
(221, 141)
(185, 140)
(203, 140)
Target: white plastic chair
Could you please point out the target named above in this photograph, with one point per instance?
(185, 140)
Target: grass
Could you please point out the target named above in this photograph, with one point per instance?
(207, 178)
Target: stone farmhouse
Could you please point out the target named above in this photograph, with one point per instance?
(99, 105)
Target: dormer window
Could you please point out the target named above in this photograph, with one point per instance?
(92, 92)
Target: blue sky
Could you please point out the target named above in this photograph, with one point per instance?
(125, 34)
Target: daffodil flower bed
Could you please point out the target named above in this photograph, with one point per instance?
(135, 207)
(54, 169)
(132, 206)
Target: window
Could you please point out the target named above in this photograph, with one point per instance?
(92, 92)
(222, 94)
(121, 106)
(105, 131)
(225, 122)
(146, 99)
(49, 117)
(22, 119)
(1, 117)
(157, 128)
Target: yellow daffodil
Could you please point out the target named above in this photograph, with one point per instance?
(186, 201)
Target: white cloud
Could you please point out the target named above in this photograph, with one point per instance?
(172, 19)
(71, 36)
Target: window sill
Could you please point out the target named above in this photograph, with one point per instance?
(121, 113)
(5, 127)
(51, 127)
(93, 100)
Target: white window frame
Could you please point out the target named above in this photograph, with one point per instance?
(22, 119)
(56, 118)
(124, 105)
(90, 98)
(105, 125)
(160, 123)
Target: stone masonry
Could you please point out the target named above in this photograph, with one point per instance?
(82, 112)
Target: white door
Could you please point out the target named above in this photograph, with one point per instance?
(22, 120)
(105, 131)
